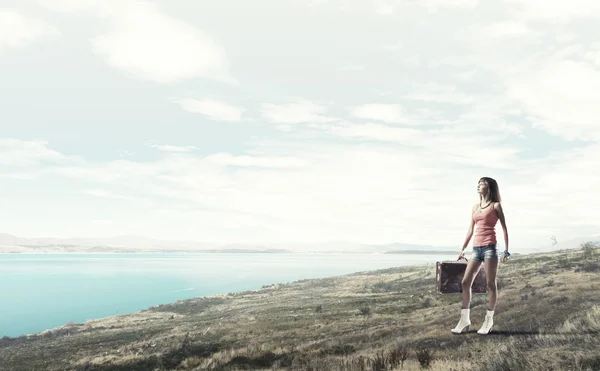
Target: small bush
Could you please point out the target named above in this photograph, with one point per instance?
(378, 362)
(592, 362)
(590, 266)
(424, 356)
(560, 300)
(563, 262)
(340, 349)
(428, 302)
(398, 356)
(264, 360)
(543, 269)
(588, 249)
(187, 349)
(365, 311)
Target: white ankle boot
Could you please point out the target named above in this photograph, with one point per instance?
(487, 323)
(465, 322)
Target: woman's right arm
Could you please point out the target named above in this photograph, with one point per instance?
(470, 231)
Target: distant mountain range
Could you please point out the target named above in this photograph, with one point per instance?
(135, 244)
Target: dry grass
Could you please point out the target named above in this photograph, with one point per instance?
(547, 318)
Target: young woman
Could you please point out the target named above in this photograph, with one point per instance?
(485, 215)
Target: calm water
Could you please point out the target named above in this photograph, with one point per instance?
(38, 292)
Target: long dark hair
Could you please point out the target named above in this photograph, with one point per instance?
(493, 190)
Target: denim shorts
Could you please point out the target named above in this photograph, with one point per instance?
(489, 251)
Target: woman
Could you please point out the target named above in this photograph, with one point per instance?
(485, 215)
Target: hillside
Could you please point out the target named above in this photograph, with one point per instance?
(547, 318)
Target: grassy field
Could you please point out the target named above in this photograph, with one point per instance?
(547, 318)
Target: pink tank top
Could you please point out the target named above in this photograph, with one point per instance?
(485, 223)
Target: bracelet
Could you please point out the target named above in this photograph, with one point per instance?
(506, 253)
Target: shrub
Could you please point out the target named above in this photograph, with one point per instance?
(563, 262)
(398, 356)
(589, 362)
(588, 249)
(340, 349)
(424, 356)
(428, 302)
(263, 360)
(365, 311)
(590, 266)
(379, 362)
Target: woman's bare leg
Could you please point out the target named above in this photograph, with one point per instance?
(491, 270)
(471, 271)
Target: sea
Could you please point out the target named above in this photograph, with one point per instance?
(44, 291)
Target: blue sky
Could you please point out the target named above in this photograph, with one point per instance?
(298, 121)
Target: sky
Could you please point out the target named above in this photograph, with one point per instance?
(298, 121)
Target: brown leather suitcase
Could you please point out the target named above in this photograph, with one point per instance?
(449, 275)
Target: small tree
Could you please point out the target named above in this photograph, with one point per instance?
(588, 249)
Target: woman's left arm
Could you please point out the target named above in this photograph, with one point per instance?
(500, 213)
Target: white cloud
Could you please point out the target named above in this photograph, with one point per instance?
(213, 109)
(433, 92)
(592, 55)
(150, 45)
(125, 153)
(352, 67)
(23, 153)
(21, 175)
(561, 98)
(101, 222)
(102, 193)
(378, 132)
(227, 159)
(437, 4)
(17, 30)
(394, 7)
(70, 6)
(171, 148)
(309, 192)
(563, 181)
(507, 29)
(323, 198)
(557, 10)
(392, 113)
(296, 112)
(393, 47)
